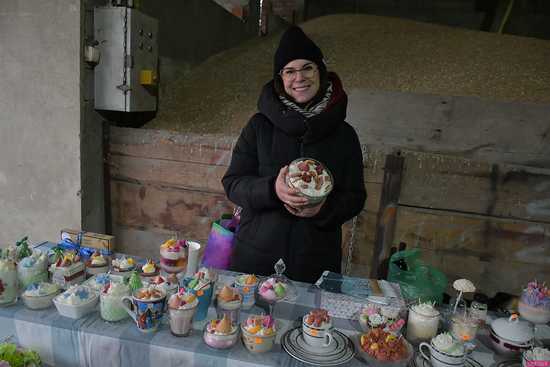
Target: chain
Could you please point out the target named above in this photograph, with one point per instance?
(124, 45)
(124, 86)
(347, 269)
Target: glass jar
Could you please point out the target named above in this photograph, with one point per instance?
(422, 323)
(8, 282)
(478, 312)
(478, 308)
(464, 327)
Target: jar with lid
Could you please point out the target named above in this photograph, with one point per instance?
(422, 323)
(478, 308)
(8, 281)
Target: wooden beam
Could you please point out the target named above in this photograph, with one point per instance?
(387, 210)
(159, 207)
(437, 181)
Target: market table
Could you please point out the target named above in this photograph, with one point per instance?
(91, 341)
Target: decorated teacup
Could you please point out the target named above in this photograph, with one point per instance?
(146, 306)
(444, 351)
(320, 336)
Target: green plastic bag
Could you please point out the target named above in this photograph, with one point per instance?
(417, 280)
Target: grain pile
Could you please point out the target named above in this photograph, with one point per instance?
(368, 52)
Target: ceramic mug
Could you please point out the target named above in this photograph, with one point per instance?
(318, 337)
(441, 359)
(205, 297)
(147, 313)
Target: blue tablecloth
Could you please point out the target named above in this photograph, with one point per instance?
(91, 341)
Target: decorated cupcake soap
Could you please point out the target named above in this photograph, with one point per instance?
(97, 264)
(123, 264)
(221, 334)
(149, 270)
(272, 290)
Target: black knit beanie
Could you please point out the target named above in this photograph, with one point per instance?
(295, 45)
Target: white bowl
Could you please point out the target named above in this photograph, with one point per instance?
(38, 302)
(507, 347)
(77, 311)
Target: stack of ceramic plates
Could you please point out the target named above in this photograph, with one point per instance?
(340, 351)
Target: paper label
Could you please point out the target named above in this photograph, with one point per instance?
(314, 332)
(258, 341)
(200, 293)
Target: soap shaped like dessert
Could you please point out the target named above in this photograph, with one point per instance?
(383, 346)
(310, 178)
(272, 290)
(173, 256)
(97, 264)
(68, 270)
(221, 334)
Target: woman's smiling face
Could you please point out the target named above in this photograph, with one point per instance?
(301, 80)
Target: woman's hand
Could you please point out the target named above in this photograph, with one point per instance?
(288, 195)
(294, 203)
(305, 212)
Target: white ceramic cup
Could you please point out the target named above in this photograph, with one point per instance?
(193, 249)
(319, 337)
(441, 359)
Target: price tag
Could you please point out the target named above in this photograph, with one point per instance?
(258, 340)
(246, 290)
(200, 293)
(314, 332)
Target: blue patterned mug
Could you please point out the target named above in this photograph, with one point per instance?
(145, 308)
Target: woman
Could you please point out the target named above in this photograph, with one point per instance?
(301, 114)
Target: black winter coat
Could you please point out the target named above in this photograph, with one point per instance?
(272, 139)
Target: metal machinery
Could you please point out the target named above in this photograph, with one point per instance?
(126, 75)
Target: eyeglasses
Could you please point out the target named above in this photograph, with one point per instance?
(289, 74)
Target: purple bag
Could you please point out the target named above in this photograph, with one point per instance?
(220, 241)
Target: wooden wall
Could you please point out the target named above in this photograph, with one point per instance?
(486, 222)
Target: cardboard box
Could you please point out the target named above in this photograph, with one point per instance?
(90, 239)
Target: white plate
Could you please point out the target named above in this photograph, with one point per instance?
(340, 351)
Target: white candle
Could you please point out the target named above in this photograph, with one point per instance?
(422, 323)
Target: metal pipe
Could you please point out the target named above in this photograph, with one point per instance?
(506, 16)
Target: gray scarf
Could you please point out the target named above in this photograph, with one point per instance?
(309, 110)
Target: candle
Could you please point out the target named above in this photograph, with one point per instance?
(422, 323)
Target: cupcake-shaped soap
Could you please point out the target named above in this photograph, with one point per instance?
(97, 264)
(123, 264)
(220, 334)
(259, 332)
(149, 270)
